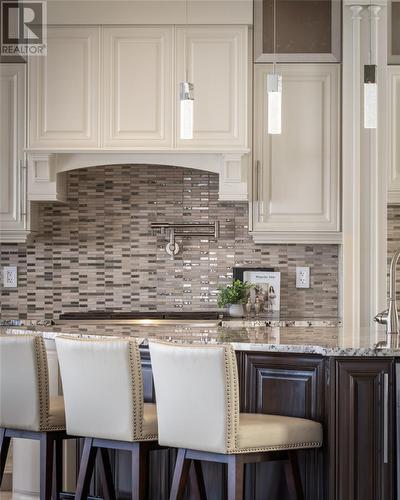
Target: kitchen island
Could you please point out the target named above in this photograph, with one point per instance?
(325, 373)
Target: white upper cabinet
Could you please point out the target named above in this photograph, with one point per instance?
(296, 174)
(216, 59)
(13, 206)
(64, 90)
(117, 87)
(137, 87)
(394, 133)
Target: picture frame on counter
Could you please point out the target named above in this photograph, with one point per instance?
(266, 290)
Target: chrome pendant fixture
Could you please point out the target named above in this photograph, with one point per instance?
(186, 99)
(370, 86)
(274, 92)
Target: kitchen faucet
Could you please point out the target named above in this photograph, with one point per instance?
(390, 317)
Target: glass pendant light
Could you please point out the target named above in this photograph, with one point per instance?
(186, 118)
(370, 87)
(186, 99)
(274, 90)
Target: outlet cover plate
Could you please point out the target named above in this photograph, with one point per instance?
(10, 277)
(302, 277)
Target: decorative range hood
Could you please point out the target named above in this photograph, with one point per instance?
(47, 170)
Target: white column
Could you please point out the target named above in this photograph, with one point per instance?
(351, 120)
(364, 167)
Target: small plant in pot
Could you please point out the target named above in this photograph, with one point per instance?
(234, 296)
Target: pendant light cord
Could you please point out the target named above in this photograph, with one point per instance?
(186, 59)
(370, 32)
(274, 61)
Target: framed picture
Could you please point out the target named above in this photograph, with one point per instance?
(267, 287)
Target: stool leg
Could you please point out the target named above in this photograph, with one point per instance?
(235, 478)
(86, 469)
(140, 465)
(197, 486)
(58, 468)
(105, 474)
(293, 478)
(4, 447)
(46, 465)
(181, 473)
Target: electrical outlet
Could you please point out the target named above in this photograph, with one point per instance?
(10, 277)
(302, 277)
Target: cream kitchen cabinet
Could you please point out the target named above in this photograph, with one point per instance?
(137, 93)
(216, 60)
(394, 133)
(64, 90)
(296, 174)
(13, 203)
(117, 88)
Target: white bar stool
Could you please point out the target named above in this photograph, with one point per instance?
(103, 391)
(197, 395)
(26, 409)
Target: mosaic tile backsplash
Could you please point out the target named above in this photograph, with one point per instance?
(393, 240)
(97, 251)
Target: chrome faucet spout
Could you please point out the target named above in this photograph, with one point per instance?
(393, 319)
(390, 318)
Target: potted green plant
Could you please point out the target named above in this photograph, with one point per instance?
(234, 296)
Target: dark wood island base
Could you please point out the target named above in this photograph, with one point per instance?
(354, 397)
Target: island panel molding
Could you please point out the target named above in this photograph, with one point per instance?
(364, 444)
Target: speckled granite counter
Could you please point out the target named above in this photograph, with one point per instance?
(320, 340)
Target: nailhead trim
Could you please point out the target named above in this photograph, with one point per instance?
(315, 444)
(231, 398)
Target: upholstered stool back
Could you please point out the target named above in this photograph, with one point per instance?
(24, 388)
(103, 389)
(197, 396)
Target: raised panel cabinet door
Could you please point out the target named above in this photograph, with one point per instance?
(215, 60)
(64, 90)
(137, 87)
(364, 429)
(12, 113)
(296, 173)
(394, 133)
(290, 385)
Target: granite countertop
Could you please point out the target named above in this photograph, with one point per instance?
(318, 340)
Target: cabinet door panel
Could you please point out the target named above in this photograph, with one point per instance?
(394, 133)
(364, 429)
(137, 82)
(12, 112)
(297, 179)
(216, 61)
(292, 386)
(64, 90)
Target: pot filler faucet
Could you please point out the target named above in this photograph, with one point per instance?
(390, 317)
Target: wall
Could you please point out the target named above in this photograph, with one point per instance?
(97, 251)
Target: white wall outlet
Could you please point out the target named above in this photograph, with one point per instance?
(302, 277)
(10, 277)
